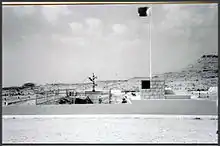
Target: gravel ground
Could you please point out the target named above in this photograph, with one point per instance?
(109, 130)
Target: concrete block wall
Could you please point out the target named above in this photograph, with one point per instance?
(156, 91)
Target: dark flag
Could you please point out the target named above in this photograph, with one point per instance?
(142, 11)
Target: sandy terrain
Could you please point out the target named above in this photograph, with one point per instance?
(109, 130)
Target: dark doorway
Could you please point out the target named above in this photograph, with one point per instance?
(145, 84)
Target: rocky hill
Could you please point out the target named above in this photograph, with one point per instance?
(200, 75)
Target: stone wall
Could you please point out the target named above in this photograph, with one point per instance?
(177, 97)
(156, 91)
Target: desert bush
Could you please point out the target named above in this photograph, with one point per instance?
(169, 92)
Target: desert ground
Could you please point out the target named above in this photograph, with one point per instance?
(109, 129)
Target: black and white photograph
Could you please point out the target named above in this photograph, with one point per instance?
(110, 73)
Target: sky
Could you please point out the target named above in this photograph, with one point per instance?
(66, 44)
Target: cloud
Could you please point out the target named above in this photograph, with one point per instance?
(93, 22)
(77, 29)
(76, 26)
(94, 27)
(119, 28)
(23, 10)
(190, 16)
(192, 22)
(52, 13)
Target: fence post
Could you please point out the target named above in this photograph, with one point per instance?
(110, 95)
(36, 99)
(47, 96)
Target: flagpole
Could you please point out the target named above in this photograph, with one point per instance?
(143, 14)
(150, 41)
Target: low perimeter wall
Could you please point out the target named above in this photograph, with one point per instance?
(177, 97)
(167, 106)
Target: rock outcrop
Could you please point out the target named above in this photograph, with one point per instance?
(200, 75)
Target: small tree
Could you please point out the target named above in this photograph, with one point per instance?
(92, 79)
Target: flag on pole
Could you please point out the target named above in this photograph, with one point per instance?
(142, 11)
